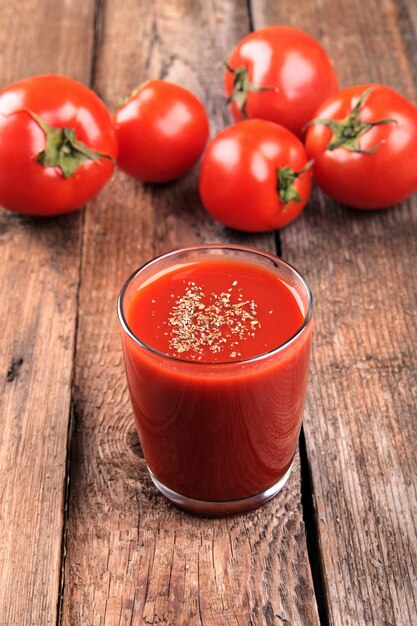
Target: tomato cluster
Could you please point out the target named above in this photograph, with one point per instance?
(360, 142)
(59, 144)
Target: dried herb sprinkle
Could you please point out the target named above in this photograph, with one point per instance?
(217, 321)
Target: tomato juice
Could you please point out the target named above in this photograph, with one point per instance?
(216, 343)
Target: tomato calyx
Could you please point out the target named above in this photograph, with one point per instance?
(285, 184)
(242, 86)
(124, 99)
(63, 149)
(347, 132)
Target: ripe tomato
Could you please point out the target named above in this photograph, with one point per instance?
(279, 74)
(255, 176)
(57, 145)
(162, 130)
(364, 146)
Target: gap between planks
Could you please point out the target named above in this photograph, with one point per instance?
(73, 418)
(72, 422)
(312, 535)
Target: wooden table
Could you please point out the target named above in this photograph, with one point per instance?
(85, 539)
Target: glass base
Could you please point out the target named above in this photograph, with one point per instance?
(224, 507)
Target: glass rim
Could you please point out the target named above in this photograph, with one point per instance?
(218, 246)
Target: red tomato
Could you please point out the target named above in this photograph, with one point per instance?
(162, 130)
(279, 74)
(255, 176)
(364, 146)
(57, 145)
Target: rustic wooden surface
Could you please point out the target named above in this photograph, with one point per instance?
(127, 556)
(38, 288)
(360, 422)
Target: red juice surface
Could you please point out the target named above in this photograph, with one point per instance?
(215, 311)
(215, 423)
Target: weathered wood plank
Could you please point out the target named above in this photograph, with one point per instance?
(132, 558)
(360, 424)
(39, 263)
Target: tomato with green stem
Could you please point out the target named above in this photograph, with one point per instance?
(280, 74)
(364, 144)
(255, 176)
(57, 145)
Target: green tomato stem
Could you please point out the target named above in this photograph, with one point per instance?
(242, 86)
(347, 132)
(285, 184)
(63, 149)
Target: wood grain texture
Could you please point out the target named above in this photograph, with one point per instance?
(360, 424)
(131, 557)
(39, 267)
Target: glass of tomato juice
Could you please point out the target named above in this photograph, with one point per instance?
(216, 343)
